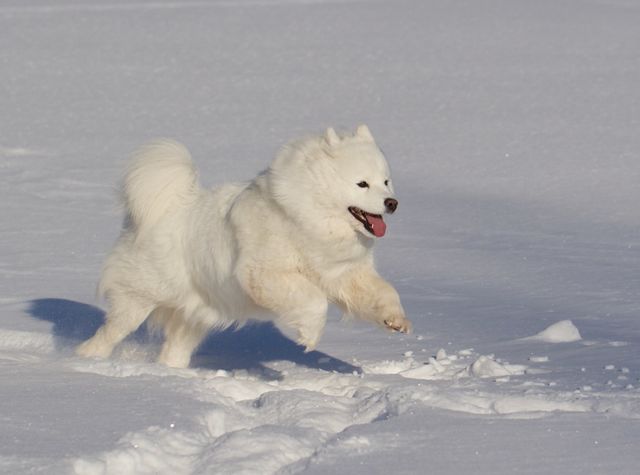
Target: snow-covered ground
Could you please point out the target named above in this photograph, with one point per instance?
(513, 129)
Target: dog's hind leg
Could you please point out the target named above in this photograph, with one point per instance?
(181, 339)
(125, 315)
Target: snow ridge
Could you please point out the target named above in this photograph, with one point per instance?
(252, 425)
(281, 421)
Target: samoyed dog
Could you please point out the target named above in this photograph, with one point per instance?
(281, 247)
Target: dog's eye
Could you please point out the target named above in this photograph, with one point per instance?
(363, 184)
(386, 183)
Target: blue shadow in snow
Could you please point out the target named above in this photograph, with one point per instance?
(245, 349)
(71, 320)
(260, 342)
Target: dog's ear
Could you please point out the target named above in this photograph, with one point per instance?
(331, 137)
(363, 132)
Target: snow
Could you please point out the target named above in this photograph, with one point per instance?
(560, 332)
(539, 359)
(511, 129)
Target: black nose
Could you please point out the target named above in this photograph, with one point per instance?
(391, 204)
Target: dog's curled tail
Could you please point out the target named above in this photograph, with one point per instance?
(160, 178)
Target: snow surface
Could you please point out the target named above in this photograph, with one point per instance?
(512, 129)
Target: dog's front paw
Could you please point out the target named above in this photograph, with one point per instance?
(309, 340)
(398, 323)
(308, 343)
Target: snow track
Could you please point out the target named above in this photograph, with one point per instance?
(292, 420)
(242, 423)
(257, 426)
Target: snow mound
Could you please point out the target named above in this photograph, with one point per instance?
(561, 332)
(432, 370)
(447, 367)
(485, 367)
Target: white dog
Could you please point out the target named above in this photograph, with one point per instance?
(281, 247)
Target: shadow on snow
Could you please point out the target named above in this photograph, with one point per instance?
(247, 348)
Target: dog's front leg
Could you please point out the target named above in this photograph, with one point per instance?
(367, 295)
(299, 304)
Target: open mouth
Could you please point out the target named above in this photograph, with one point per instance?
(371, 222)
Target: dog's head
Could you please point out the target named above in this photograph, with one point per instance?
(366, 191)
(335, 183)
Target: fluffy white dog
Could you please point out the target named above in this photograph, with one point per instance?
(281, 247)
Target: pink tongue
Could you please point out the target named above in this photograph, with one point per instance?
(377, 225)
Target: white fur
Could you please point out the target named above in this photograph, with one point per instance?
(280, 247)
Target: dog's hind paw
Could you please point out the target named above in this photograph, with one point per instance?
(93, 349)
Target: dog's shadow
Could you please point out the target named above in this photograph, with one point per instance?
(247, 348)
